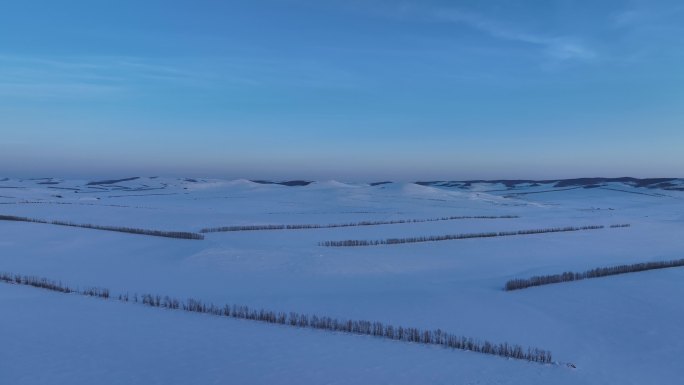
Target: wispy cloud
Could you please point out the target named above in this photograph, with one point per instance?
(557, 47)
(85, 76)
(645, 16)
(56, 90)
(626, 17)
(100, 76)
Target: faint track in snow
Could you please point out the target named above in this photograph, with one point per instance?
(77, 204)
(657, 195)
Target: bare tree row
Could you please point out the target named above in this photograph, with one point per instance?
(132, 230)
(568, 276)
(361, 327)
(350, 224)
(450, 237)
(44, 283)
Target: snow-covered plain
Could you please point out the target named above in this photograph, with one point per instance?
(623, 329)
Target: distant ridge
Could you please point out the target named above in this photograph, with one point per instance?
(111, 181)
(146, 183)
(290, 183)
(652, 183)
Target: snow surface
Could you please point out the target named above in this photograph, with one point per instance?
(622, 329)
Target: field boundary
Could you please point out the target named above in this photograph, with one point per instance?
(293, 319)
(130, 230)
(451, 237)
(350, 224)
(568, 276)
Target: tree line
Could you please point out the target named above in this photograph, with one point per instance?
(132, 230)
(350, 224)
(44, 283)
(449, 237)
(294, 319)
(568, 276)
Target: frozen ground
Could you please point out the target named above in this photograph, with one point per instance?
(623, 329)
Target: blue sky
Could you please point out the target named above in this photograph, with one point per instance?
(352, 90)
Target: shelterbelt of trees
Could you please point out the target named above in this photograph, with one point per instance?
(131, 230)
(450, 237)
(350, 224)
(568, 276)
(320, 322)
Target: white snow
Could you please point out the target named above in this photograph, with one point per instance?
(622, 329)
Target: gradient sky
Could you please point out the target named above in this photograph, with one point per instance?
(351, 90)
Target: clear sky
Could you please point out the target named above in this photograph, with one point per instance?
(351, 90)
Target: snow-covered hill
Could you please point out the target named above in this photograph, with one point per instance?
(622, 329)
